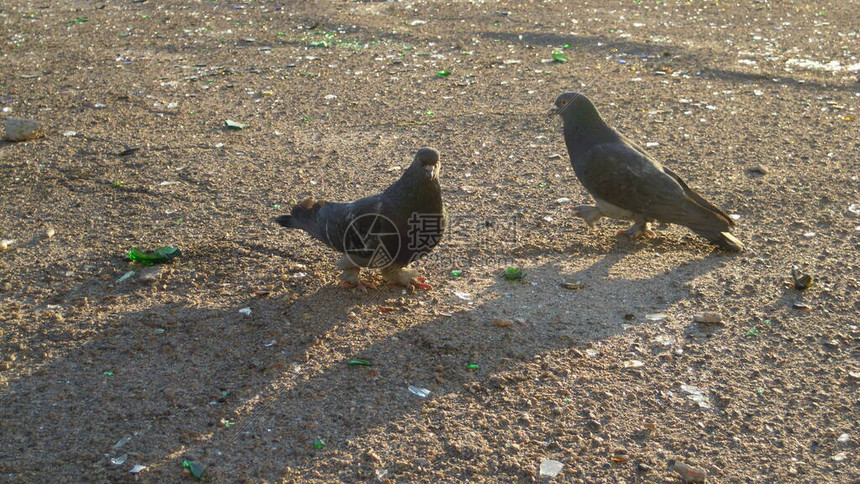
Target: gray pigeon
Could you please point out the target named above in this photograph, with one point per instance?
(628, 184)
(386, 231)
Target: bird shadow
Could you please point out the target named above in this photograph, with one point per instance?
(212, 385)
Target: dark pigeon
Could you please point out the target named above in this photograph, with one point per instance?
(628, 184)
(387, 231)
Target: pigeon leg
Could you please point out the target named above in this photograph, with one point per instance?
(351, 280)
(638, 229)
(405, 277)
(589, 213)
(351, 274)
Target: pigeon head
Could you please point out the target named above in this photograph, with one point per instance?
(576, 110)
(427, 162)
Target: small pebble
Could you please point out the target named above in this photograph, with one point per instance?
(688, 474)
(620, 454)
(707, 317)
(759, 169)
(245, 311)
(150, 276)
(372, 456)
(49, 232)
(23, 129)
(664, 340)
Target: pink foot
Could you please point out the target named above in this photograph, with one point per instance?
(420, 284)
(350, 285)
(423, 286)
(647, 233)
(417, 283)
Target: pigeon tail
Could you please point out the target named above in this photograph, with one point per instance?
(304, 216)
(725, 240)
(286, 221)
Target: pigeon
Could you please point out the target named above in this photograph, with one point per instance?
(386, 231)
(627, 183)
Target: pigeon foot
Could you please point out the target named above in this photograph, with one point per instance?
(589, 213)
(408, 278)
(351, 279)
(637, 230)
(351, 285)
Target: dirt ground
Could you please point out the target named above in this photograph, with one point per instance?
(752, 103)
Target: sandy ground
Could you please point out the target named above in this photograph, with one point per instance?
(752, 103)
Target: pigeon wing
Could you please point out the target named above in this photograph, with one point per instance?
(366, 232)
(625, 176)
(698, 198)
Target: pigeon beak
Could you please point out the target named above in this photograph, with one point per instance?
(552, 111)
(432, 170)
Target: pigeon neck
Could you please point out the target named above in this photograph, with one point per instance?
(584, 126)
(412, 181)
